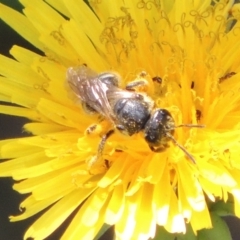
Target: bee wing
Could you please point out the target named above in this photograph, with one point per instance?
(78, 76)
(115, 93)
(90, 89)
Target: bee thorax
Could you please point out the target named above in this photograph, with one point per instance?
(132, 114)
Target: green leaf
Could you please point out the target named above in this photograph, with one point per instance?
(219, 231)
(104, 228)
(223, 208)
(189, 235)
(162, 234)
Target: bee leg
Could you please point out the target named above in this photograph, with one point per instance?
(103, 142)
(122, 129)
(141, 83)
(88, 109)
(91, 129)
(135, 84)
(110, 78)
(159, 149)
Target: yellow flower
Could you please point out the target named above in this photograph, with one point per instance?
(193, 46)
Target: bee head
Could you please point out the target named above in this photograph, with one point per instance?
(159, 130)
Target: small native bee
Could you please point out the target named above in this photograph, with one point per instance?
(129, 112)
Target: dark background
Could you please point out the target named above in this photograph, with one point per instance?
(11, 127)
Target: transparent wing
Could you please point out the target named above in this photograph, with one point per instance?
(115, 94)
(90, 89)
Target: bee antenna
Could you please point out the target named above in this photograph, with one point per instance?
(181, 147)
(191, 125)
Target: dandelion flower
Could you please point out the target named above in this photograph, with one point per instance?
(192, 47)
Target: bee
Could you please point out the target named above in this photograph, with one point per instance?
(129, 112)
